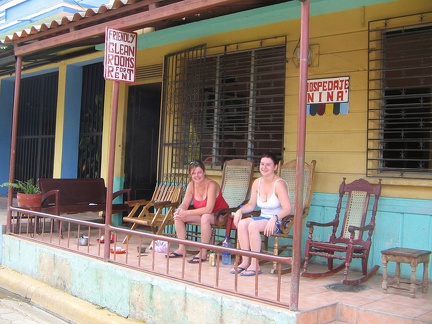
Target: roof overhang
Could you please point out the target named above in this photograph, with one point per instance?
(88, 28)
(80, 33)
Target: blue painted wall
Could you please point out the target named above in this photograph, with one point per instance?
(6, 99)
(399, 223)
(71, 124)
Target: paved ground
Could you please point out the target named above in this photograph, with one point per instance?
(14, 309)
(3, 210)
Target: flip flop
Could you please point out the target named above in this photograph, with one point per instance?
(196, 259)
(173, 255)
(239, 270)
(249, 273)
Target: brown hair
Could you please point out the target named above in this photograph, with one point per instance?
(195, 164)
(270, 155)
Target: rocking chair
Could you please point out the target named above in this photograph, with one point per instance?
(349, 244)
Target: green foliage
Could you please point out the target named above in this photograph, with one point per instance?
(27, 187)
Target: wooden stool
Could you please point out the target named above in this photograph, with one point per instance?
(405, 255)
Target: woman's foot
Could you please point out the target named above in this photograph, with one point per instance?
(250, 273)
(179, 252)
(174, 255)
(198, 256)
(240, 268)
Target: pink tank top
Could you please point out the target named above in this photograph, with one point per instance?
(219, 203)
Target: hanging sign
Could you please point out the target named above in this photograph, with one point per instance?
(328, 96)
(328, 90)
(120, 55)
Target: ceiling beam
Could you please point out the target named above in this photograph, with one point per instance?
(127, 23)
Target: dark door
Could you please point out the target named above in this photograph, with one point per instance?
(36, 127)
(142, 139)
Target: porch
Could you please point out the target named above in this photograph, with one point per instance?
(320, 300)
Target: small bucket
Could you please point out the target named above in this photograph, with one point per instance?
(141, 249)
(83, 240)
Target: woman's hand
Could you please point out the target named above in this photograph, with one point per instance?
(270, 227)
(238, 215)
(178, 214)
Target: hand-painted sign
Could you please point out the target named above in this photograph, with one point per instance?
(328, 96)
(120, 55)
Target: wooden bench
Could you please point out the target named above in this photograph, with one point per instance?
(73, 196)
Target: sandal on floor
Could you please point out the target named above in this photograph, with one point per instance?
(239, 270)
(250, 273)
(196, 259)
(172, 255)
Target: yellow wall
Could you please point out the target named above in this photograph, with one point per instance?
(338, 143)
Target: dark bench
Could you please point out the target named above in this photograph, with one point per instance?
(73, 196)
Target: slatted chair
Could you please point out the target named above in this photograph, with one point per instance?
(236, 180)
(354, 239)
(156, 212)
(287, 171)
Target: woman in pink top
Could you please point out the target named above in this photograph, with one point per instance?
(206, 198)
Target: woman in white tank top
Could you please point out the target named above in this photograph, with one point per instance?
(270, 194)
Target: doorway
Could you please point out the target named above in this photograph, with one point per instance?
(142, 136)
(36, 127)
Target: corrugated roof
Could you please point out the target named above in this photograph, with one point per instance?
(70, 19)
(78, 34)
(122, 8)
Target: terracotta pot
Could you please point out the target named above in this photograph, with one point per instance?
(30, 201)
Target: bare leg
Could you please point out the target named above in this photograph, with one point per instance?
(243, 237)
(206, 222)
(254, 229)
(180, 227)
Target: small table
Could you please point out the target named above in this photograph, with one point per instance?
(405, 255)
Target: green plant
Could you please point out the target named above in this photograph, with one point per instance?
(27, 187)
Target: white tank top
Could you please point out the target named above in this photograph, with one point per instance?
(272, 206)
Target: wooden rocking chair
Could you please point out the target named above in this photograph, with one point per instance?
(349, 244)
(287, 171)
(156, 212)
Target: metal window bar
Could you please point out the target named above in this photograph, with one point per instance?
(400, 97)
(181, 106)
(36, 127)
(91, 121)
(229, 104)
(243, 104)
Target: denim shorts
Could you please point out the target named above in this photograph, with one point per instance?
(278, 223)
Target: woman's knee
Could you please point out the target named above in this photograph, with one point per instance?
(207, 219)
(253, 227)
(243, 225)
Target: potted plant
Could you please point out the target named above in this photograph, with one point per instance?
(28, 195)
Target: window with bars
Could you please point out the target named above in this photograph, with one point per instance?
(243, 111)
(91, 121)
(400, 105)
(36, 127)
(223, 103)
